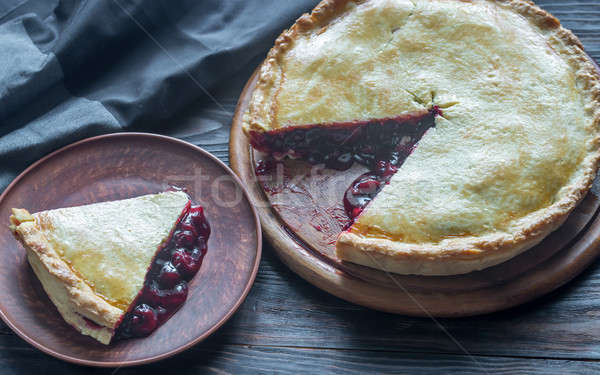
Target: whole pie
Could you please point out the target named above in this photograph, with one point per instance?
(116, 269)
(478, 120)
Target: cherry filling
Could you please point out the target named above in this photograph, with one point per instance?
(340, 145)
(361, 192)
(381, 145)
(166, 285)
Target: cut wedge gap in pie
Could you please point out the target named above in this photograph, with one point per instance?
(116, 269)
(501, 99)
(382, 145)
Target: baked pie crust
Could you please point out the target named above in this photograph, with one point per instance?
(93, 261)
(515, 145)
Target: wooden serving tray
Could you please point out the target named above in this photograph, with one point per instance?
(301, 214)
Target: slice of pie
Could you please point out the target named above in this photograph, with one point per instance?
(116, 269)
(479, 121)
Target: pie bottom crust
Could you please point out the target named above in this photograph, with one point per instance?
(380, 254)
(73, 298)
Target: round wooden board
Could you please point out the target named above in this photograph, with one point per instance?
(118, 166)
(300, 212)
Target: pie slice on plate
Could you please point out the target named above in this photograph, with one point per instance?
(479, 121)
(116, 269)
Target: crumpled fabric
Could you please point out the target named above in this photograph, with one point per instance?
(74, 69)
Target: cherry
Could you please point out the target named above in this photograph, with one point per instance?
(152, 293)
(177, 255)
(340, 162)
(196, 215)
(396, 158)
(386, 168)
(143, 320)
(184, 238)
(203, 229)
(159, 262)
(197, 211)
(361, 192)
(366, 155)
(174, 297)
(185, 263)
(199, 250)
(162, 314)
(168, 275)
(188, 226)
(168, 298)
(366, 187)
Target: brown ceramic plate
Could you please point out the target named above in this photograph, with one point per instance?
(118, 166)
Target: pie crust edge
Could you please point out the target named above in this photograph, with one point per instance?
(71, 295)
(460, 256)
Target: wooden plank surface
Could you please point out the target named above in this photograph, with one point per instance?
(246, 359)
(286, 325)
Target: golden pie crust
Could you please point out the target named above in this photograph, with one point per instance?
(515, 149)
(80, 255)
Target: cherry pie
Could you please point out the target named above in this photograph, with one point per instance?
(116, 269)
(479, 121)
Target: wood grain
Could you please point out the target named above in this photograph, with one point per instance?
(244, 359)
(290, 318)
(247, 359)
(562, 324)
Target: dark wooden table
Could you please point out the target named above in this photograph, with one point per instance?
(288, 326)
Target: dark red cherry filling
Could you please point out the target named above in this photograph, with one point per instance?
(340, 145)
(166, 285)
(361, 192)
(381, 145)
